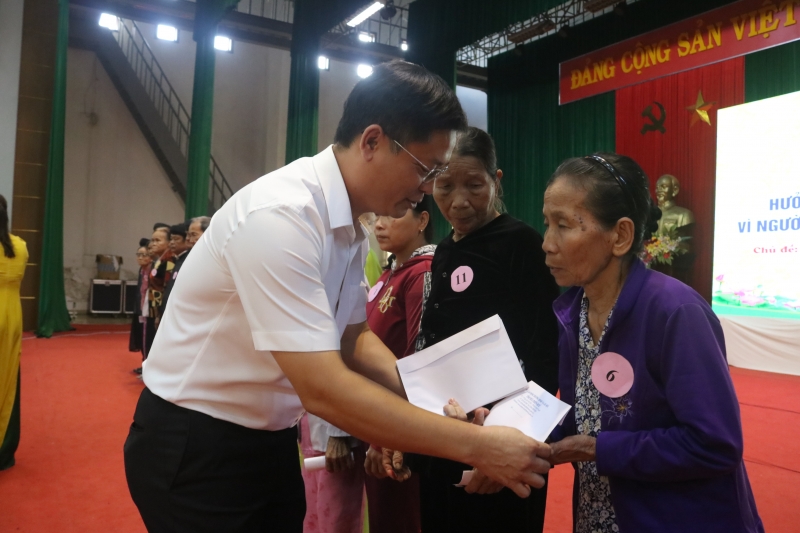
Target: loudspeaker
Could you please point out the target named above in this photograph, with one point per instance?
(131, 294)
(106, 297)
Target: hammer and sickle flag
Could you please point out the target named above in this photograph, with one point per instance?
(656, 123)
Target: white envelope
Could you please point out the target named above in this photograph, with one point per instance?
(534, 411)
(475, 367)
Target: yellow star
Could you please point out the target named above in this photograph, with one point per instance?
(701, 109)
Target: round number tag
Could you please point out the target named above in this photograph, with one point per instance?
(461, 278)
(612, 374)
(373, 292)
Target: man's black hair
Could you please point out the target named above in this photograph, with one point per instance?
(179, 229)
(406, 100)
(144, 242)
(160, 225)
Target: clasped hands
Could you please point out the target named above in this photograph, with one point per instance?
(389, 463)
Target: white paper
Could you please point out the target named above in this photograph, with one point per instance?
(476, 367)
(312, 464)
(466, 477)
(534, 411)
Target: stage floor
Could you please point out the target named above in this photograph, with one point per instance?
(78, 396)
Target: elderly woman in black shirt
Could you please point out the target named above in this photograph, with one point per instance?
(490, 264)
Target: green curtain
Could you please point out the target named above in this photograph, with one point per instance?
(208, 13)
(772, 72)
(438, 28)
(312, 19)
(301, 127)
(53, 314)
(533, 135)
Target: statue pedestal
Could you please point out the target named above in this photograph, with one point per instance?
(680, 269)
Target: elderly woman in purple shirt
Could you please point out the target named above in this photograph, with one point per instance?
(655, 434)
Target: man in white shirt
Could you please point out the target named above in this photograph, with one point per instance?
(268, 319)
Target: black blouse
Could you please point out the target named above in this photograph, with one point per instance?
(508, 278)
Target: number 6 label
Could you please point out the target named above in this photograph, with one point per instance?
(461, 278)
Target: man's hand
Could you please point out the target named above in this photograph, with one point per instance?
(509, 457)
(480, 484)
(373, 464)
(338, 456)
(574, 449)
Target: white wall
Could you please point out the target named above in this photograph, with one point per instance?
(334, 87)
(251, 97)
(114, 187)
(10, 49)
(475, 104)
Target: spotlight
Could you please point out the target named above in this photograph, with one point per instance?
(621, 9)
(404, 45)
(563, 32)
(364, 71)
(323, 63)
(167, 33)
(223, 43)
(389, 11)
(109, 21)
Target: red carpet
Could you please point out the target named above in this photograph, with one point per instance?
(78, 395)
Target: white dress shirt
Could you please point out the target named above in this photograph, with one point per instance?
(280, 268)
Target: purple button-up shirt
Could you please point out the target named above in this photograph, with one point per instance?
(674, 460)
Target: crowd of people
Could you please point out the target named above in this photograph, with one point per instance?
(160, 259)
(274, 318)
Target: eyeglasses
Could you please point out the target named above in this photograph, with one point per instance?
(432, 174)
(142, 255)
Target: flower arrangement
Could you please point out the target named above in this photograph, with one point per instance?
(661, 249)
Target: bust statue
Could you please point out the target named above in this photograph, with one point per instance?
(676, 220)
(673, 217)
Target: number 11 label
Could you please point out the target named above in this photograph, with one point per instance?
(461, 278)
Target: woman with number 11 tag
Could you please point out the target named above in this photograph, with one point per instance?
(655, 435)
(490, 264)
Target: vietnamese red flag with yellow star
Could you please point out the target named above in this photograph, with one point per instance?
(669, 126)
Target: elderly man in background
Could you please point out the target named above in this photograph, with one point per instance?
(197, 226)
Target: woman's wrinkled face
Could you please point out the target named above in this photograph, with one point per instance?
(143, 256)
(576, 245)
(465, 194)
(395, 235)
(158, 243)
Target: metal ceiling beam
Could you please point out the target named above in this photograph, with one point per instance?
(258, 30)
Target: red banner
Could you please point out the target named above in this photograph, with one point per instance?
(731, 31)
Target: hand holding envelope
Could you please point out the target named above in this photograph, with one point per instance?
(476, 367)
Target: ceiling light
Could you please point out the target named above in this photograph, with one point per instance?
(223, 43)
(539, 28)
(364, 15)
(167, 33)
(323, 63)
(598, 5)
(364, 71)
(109, 21)
(367, 36)
(404, 45)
